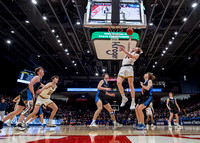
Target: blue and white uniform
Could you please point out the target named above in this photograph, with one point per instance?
(101, 94)
(172, 105)
(147, 95)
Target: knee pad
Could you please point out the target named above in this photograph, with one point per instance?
(28, 108)
(112, 113)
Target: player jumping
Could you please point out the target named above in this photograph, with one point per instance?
(126, 71)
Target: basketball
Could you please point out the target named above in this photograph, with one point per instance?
(129, 31)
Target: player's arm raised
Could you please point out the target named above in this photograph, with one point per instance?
(102, 88)
(135, 56)
(148, 86)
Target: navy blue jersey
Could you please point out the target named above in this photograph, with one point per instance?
(36, 86)
(172, 104)
(105, 85)
(147, 92)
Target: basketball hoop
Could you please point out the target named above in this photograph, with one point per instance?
(115, 33)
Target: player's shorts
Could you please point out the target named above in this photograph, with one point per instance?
(26, 92)
(102, 98)
(22, 99)
(174, 111)
(41, 100)
(126, 72)
(149, 111)
(147, 100)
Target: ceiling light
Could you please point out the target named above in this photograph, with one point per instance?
(34, 1)
(38, 56)
(65, 67)
(163, 69)
(67, 54)
(60, 44)
(52, 30)
(153, 66)
(184, 19)
(44, 17)
(189, 58)
(76, 72)
(8, 41)
(88, 51)
(73, 61)
(27, 21)
(172, 38)
(175, 33)
(12, 31)
(150, 24)
(164, 52)
(74, 64)
(156, 63)
(78, 23)
(166, 48)
(66, 50)
(162, 55)
(57, 36)
(194, 4)
(58, 41)
(170, 42)
(97, 74)
(103, 70)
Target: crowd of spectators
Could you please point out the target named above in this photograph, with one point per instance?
(76, 115)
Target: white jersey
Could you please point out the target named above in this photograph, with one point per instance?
(46, 93)
(127, 60)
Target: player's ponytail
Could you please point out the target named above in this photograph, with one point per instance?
(151, 76)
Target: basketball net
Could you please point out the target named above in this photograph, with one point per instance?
(115, 33)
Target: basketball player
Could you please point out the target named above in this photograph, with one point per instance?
(102, 102)
(147, 88)
(44, 98)
(149, 113)
(173, 107)
(16, 101)
(39, 114)
(126, 71)
(26, 97)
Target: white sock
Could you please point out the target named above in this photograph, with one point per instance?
(93, 121)
(50, 120)
(114, 122)
(169, 123)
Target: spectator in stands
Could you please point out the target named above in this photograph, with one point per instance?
(3, 107)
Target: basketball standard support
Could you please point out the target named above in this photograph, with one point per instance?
(115, 17)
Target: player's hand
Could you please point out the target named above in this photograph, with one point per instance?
(169, 108)
(130, 37)
(121, 48)
(179, 110)
(141, 83)
(113, 95)
(44, 108)
(108, 89)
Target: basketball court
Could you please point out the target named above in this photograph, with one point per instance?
(104, 134)
(87, 39)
